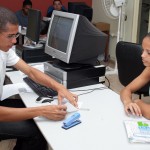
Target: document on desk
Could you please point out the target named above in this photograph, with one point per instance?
(70, 107)
(138, 131)
(13, 89)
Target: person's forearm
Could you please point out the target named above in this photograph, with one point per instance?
(37, 75)
(17, 114)
(126, 96)
(44, 79)
(145, 108)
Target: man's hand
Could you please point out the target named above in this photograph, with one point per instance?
(64, 93)
(54, 112)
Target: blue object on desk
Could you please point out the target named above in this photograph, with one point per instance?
(71, 121)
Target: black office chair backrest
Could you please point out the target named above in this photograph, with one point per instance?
(130, 64)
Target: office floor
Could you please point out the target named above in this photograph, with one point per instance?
(7, 144)
(115, 85)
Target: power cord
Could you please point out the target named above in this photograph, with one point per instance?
(91, 90)
(108, 82)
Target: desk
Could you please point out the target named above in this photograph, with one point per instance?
(102, 126)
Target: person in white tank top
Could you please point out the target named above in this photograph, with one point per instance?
(138, 107)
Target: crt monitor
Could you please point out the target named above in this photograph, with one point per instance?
(80, 8)
(72, 39)
(33, 29)
(72, 6)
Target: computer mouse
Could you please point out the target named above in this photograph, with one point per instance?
(44, 99)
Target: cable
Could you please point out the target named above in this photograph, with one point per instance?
(85, 93)
(92, 90)
(101, 88)
(107, 81)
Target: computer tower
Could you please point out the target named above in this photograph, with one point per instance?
(32, 55)
(73, 78)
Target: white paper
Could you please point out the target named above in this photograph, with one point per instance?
(71, 108)
(13, 89)
(132, 128)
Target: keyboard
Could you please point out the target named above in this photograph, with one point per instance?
(40, 90)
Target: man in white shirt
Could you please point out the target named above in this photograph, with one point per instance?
(16, 120)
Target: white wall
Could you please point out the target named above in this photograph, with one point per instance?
(132, 23)
(130, 28)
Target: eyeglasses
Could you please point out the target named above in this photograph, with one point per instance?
(12, 36)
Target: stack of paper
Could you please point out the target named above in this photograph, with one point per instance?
(138, 131)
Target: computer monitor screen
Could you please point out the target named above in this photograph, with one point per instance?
(72, 39)
(33, 27)
(60, 32)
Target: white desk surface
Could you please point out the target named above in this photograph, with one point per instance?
(102, 126)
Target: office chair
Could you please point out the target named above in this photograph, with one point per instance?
(130, 64)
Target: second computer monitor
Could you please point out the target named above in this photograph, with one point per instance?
(33, 28)
(73, 39)
(80, 8)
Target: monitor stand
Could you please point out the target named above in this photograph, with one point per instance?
(64, 66)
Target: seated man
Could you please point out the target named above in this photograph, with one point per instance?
(16, 120)
(22, 14)
(57, 5)
(138, 107)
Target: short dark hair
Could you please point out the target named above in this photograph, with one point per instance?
(56, 0)
(7, 16)
(27, 2)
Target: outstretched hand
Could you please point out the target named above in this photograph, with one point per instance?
(64, 93)
(132, 109)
